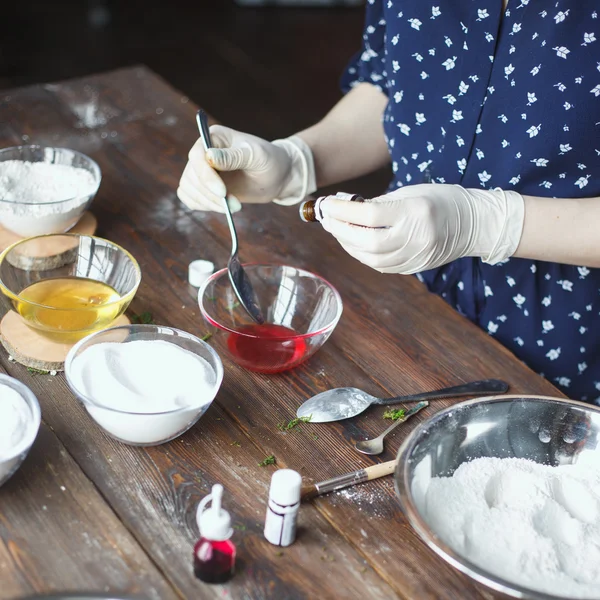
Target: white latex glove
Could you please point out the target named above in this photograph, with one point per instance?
(421, 227)
(250, 170)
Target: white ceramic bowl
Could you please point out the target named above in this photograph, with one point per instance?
(145, 429)
(11, 461)
(29, 218)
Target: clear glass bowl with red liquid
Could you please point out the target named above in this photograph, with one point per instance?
(301, 310)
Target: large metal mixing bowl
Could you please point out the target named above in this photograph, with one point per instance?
(550, 431)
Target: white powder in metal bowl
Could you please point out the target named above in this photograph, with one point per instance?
(535, 525)
(41, 197)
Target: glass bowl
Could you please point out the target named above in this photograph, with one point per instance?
(301, 311)
(68, 285)
(138, 428)
(11, 461)
(29, 218)
(550, 431)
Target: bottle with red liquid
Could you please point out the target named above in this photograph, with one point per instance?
(214, 553)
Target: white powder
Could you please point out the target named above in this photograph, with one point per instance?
(531, 524)
(14, 420)
(139, 380)
(42, 197)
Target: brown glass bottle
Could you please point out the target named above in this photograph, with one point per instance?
(309, 210)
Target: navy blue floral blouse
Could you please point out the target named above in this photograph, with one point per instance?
(484, 98)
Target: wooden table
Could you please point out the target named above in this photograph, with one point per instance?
(88, 513)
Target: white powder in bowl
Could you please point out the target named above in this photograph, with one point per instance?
(531, 524)
(41, 197)
(14, 420)
(145, 391)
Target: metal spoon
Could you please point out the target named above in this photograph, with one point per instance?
(237, 276)
(344, 403)
(375, 446)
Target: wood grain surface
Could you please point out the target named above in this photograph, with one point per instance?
(393, 338)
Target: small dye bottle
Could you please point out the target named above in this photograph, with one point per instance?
(214, 553)
(282, 509)
(310, 210)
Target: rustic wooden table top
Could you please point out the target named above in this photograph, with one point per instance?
(85, 512)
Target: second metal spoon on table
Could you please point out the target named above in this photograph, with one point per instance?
(344, 403)
(375, 446)
(237, 276)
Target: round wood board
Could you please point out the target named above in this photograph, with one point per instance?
(47, 253)
(32, 349)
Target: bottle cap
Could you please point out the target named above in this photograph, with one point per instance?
(199, 271)
(285, 488)
(214, 523)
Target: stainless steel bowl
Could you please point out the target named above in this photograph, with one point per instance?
(550, 431)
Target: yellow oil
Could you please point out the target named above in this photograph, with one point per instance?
(72, 306)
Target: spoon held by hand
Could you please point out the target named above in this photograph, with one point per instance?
(240, 281)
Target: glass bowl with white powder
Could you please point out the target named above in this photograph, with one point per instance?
(507, 490)
(44, 189)
(144, 384)
(20, 419)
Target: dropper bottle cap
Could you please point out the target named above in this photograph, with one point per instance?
(214, 523)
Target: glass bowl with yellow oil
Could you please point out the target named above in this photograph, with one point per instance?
(66, 286)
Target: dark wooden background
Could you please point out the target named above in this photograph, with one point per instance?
(86, 512)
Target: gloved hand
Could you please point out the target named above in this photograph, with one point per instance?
(250, 169)
(421, 227)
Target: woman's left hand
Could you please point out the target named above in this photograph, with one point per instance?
(420, 227)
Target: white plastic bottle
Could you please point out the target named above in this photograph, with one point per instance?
(282, 510)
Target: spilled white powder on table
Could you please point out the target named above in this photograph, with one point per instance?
(531, 524)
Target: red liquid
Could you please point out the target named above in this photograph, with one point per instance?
(273, 350)
(214, 561)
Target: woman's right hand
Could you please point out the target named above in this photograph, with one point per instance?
(245, 168)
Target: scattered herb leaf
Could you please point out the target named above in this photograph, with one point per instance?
(394, 415)
(144, 318)
(315, 436)
(240, 527)
(233, 306)
(294, 423)
(37, 371)
(236, 444)
(279, 553)
(270, 460)
(206, 337)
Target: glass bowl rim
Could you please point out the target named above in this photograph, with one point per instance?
(33, 424)
(127, 297)
(93, 164)
(219, 371)
(427, 534)
(218, 274)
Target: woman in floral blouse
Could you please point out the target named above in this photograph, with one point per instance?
(490, 115)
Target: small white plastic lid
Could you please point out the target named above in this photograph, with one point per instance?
(285, 488)
(214, 523)
(199, 271)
